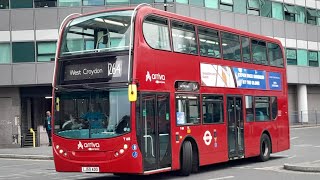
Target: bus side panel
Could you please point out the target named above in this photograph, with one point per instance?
(283, 127)
(257, 129)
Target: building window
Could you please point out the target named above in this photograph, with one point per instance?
(301, 14)
(253, 7)
(275, 55)
(226, 5)
(197, 2)
(312, 16)
(46, 51)
(4, 4)
(141, 1)
(209, 42)
(302, 57)
(188, 111)
(291, 56)
(313, 58)
(5, 54)
(45, 3)
(93, 2)
(290, 12)
(156, 32)
(265, 8)
(318, 17)
(182, 1)
(69, 2)
(117, 2)
(21, 4)
(231, 46)
(211, 4)
(249, 109)
(277, 11)
(184, 38)
(245, 43)
(259, 52)
(240, 6)
(23, 52)
(212, 109)
(262, 108)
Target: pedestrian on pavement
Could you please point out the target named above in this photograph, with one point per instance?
(47, 126)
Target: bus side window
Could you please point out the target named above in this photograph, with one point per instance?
(274, 107)
(184, 38)
(230, 46)
(259, 52)
(262, 108)
(209, 42)
(187, 109)
(275, 55)
(156, 32)
(245, 45)
(249, 109)
(212, 109)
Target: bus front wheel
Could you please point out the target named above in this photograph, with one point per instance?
(265, 148)
(186, 159)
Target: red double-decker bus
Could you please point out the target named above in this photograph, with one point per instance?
(142, 91)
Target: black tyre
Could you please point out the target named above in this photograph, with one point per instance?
(265, 148)
(186, 159)
(195, 161)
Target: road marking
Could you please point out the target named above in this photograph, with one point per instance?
(292, 157)
(294, 138)
(316, 161)
(9, 159)
(17, 165)
(226, 177)
(303, 145)
(268, 168)
(312, 127)
(283, 156)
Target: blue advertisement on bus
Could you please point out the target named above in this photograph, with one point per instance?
(249, 78)
(275, 81)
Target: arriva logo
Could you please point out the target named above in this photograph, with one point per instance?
(158, 78)
(90, 146)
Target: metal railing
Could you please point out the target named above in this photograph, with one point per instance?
(311, 117)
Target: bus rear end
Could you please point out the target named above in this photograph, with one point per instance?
(92, 116)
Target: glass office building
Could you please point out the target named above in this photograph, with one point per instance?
(29, 32)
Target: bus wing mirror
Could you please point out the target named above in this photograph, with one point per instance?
(132, 92)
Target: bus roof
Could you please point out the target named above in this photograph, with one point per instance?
(150, 10)
(198, 22)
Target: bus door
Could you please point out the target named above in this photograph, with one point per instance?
(235, 127)
(153, 129)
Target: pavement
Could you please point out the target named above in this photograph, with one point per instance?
(37, 153)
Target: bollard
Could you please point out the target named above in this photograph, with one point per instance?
(33, 137)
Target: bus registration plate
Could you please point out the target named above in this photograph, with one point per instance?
(90, 169)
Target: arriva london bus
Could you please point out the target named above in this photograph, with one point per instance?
(142, 91)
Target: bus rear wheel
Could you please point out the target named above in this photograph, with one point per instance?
(265, 148)
(186, 159)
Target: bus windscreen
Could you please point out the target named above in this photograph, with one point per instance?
(108, 31)
(92, 114)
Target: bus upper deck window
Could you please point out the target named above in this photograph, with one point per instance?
(156, 32)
